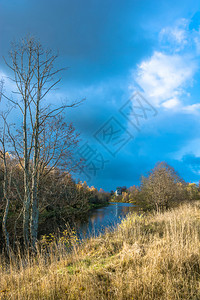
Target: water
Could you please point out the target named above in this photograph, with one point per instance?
(101, 218)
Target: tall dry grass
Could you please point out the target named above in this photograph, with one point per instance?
(148, 257)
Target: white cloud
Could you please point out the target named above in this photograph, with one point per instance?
(172, 103)
(175, 37)
(9, 85)
(191, 109)
(164, 77)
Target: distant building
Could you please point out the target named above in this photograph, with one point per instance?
(120, 190)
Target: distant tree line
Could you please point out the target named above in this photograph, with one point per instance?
(160, 189)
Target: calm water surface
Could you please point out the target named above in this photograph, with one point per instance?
(101, 218)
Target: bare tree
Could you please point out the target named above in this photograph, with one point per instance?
(161, 187)
(35, 76)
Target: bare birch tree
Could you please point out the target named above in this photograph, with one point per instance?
(34, 76)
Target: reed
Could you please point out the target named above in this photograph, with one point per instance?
(154, 256)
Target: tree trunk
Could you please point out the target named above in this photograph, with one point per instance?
(34, 209)
(34, 194)
(27, 200)
(5, 217)
(5, 195)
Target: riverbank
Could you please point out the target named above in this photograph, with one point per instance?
(56, 220)
(156, 256)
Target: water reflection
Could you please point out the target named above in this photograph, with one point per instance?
(101, 218)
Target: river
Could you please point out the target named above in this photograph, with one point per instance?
(101, 218)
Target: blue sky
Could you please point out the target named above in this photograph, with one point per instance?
(118, 51)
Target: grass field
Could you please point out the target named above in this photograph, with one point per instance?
(156, 256)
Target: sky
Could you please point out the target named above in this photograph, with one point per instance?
(136, 63)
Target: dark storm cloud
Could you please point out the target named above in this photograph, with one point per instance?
(159, 140)
(102, 42)
(96, 39)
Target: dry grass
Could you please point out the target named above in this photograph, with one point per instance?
(148, 257)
